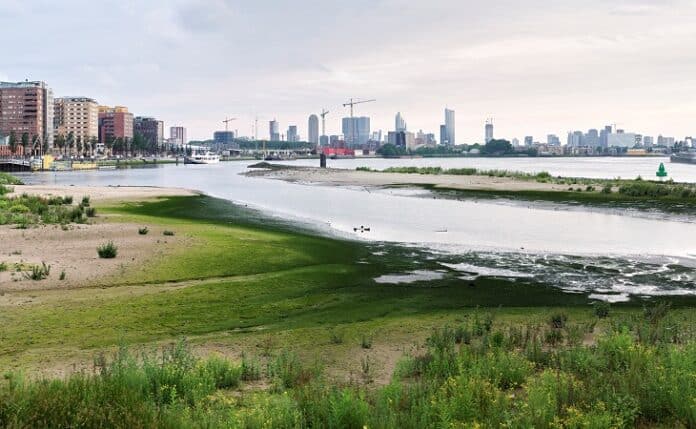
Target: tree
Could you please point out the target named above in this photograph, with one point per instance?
(78, 145)
(497, 147)
(109, 143)
(59, 142)
(13, 142)
(25, 143)
(35, 144)
(390, 150)
(71, 142)
(93, 145)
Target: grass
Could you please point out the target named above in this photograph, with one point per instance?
(27, 210)
(504, 377)
(38, 272)
(107, 250)
(259, 287)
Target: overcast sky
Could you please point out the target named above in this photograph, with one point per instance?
(535, 66)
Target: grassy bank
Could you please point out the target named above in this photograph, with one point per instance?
(477, 373)
(312, 341)
(636, 193)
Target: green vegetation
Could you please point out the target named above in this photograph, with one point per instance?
(143, 231)
(38, 272)
(310, 328)
(107, 250)
(499, 376)
(168, 233)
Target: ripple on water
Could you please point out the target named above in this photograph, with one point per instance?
(410, 277)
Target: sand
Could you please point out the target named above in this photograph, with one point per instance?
(73, 249)
(338, 177)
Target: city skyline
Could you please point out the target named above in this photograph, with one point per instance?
(532, 67)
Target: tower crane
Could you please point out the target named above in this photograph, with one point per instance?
(352, 103)
(227, 122)
(323, 114)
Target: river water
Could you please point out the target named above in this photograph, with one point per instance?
(609, 253)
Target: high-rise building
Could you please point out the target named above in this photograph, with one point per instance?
(604, 136)
(151, 130)
(449, 125)
(591, 138)
(114, 123)
(313, 129)
(292, 135)
(665, 141)
(648, 141)
(552, 140)
(324, 140)
(399, 123)
(621, 139)
(76, 115)
(27, 107)
(575, 139)
(356, 130)
(274, 131)
(516, 142)
(376, 136)
(177, 136)
(443, 134)
(489, 130)
(528, 140)
(224, 138)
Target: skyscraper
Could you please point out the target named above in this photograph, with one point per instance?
(443, 134)
(27, 107)
(313, 129)
(449, 125)
(292, 134)
(399, 123)
(489, 130)
(273, 131)
(356, 130)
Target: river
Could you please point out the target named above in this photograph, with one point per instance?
(611, 254)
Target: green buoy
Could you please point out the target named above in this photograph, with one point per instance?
(661, 172)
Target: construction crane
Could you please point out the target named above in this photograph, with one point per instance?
(227, 122)
(323, 114)
(352, 103)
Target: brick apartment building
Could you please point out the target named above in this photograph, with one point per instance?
(26, 107)
(115, 122)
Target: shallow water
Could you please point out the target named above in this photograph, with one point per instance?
(574, 249)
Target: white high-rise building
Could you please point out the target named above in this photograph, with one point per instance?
(449, 126)
(399, 123)
(177, 136)
(489, 130)
(313, 129)
(273, 131)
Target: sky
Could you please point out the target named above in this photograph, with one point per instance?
(535, 66)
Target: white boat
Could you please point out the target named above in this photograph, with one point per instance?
(202, 158)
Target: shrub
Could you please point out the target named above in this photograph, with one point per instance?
(223, 372)
(68, 200)
(62, 275)
(107, 250)
(250, 369)
(558, 320)
(91, 212)
(335, 337)
(366, 342)
(85, 201)
(38, 272)
(3, 266)
(601, 309)
(607, 189)
(143, 231)
(168, 233)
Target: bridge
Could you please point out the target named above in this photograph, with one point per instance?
(15, 164)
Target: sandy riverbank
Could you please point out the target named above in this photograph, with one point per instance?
(73, 249)
(328, 176)
(102, 193)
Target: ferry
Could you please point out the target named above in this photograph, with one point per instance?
(684, 157)
(206, 157)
